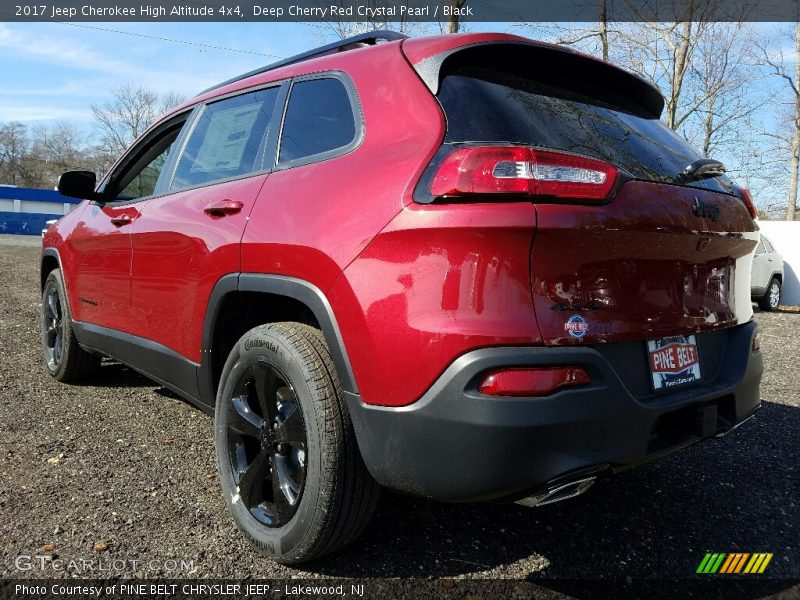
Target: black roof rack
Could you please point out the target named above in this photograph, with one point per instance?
(362, 39)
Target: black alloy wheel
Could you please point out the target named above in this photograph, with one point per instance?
(267, 444)
(53, 326)
(64, 358)
(289, 465)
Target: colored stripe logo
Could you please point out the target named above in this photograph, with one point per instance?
(734, 563)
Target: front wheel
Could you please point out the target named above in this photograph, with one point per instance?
(772, 298)
(289, 465)
(65, 360)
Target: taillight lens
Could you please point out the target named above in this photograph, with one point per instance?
(748, 202)
(522, 171)
(531, 382)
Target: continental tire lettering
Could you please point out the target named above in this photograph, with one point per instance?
(259, 343)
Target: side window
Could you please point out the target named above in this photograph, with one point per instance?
(227, 140)
(144, 182)
(319, 118)
(767, 246)
(139, 178)
(760, 249)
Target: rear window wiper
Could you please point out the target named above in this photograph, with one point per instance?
(703, 168)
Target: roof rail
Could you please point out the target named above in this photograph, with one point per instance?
(369, 38)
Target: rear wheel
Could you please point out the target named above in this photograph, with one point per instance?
(772, 298)
(289, 465)
(64, 358)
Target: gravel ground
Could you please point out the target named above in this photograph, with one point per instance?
(126, 464)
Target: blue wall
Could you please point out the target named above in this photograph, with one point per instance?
(25, 210)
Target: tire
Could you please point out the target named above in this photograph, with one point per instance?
(772, 297)
(64, 359)
(298, 489)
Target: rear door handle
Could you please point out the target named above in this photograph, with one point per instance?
(121, 220)
(223, 208)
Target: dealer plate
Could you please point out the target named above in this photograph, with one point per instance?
(674, 362)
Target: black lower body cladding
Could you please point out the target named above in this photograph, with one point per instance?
(456, 444)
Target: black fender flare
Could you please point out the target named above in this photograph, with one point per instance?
(278, 285)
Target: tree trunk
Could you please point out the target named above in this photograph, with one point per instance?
(678, 72)
(795, 163)
(453, 19)
(604, 29)
(709, 127)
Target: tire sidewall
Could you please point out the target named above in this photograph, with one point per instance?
(264, 344)
(54, 281)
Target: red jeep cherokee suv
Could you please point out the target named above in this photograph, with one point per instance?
(470, 267)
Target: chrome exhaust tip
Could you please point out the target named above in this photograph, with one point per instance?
(560, 492)
(722, 434)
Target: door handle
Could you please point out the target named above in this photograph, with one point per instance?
(121, 220)
(223, 208)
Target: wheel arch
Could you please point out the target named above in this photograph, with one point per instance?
(266, 298)
(49, 263)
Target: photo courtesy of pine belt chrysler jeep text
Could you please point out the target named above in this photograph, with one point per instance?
(468, 267)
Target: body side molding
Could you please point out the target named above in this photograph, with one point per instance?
(167, 367)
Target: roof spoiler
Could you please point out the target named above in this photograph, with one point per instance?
(620, 82)
(369, 38)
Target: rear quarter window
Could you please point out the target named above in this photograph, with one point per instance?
(319, 121)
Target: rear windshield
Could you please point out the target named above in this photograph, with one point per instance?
(489, 105)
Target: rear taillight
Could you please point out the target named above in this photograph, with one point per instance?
(541, 381)
(748, 202)
(522, 171)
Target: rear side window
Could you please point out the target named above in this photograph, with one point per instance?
(319, 120)
(767, 246)
(228, 140)
(541, 106)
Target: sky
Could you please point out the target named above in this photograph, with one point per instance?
(57, 71)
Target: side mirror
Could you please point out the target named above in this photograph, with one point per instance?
(78, 184)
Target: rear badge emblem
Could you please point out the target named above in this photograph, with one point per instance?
(577, 326)
(708, 210)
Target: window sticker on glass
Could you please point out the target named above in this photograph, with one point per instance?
(225, 143)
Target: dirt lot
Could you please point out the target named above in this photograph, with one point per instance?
(125, 463)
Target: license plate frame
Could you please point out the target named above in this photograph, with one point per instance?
(673, 362)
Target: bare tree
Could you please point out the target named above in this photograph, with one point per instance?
(781, 67)
(129, 112)
(723, 88)
(61, 147)
(454, 20)
(14, 151)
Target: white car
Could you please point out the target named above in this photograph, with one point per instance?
(47, 225)
(766, 277)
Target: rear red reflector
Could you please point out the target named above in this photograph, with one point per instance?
(531, 382)
(523, 171)
(748, 202)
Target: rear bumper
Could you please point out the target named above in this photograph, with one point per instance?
(456, 444)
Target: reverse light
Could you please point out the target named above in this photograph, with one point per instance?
(531, 381)
(748, 202)
(523, 171)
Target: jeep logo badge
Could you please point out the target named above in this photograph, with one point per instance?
(705, 209)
